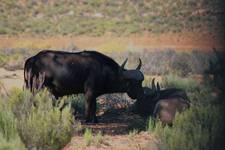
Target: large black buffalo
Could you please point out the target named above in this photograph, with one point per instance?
(88, 72)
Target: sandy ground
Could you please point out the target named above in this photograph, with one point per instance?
(140, 141)
(11, 79)
(117, 129)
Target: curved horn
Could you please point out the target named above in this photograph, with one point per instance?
(153, 84)
(124, 63)
(139, 65)
(158, 87)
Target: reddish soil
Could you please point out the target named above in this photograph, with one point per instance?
(176, 41)
(116, 126)
(140, 141)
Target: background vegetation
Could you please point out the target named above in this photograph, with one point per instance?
(99, 17)
(182, 63)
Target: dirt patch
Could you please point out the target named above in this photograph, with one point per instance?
(11, 79)
(117, 128)
(120, 129)
(140, 141)
(175, 41)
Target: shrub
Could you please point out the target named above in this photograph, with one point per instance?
(200, 127)
(9, 137)
(11, 144)
(41, 126)
(194, 129)
(77, 103)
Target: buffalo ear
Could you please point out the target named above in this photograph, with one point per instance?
(158, 87)
(139, 65)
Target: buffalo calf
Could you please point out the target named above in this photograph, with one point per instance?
(166, 109)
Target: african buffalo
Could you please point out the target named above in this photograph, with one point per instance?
(166, 109)
(162, 103)
(88, 72)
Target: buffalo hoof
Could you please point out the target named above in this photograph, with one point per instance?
(95, 120)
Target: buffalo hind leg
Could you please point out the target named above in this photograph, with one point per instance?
(90, 107)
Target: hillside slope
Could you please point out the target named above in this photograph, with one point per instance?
(100, 17)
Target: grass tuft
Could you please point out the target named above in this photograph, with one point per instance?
(88, 136)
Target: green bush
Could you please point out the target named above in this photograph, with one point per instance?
(77, 103)
(9, 137)
(39, 124)
(200, 127)
(194, 129)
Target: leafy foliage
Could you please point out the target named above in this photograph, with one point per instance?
(9, 136)
(77, 103)
(38, 123)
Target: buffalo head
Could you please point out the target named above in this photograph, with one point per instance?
(152, 93)
(134, 79)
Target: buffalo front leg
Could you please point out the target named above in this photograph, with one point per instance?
(93, 111)
(90, 107)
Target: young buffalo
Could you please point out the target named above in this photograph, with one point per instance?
(162, 104)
